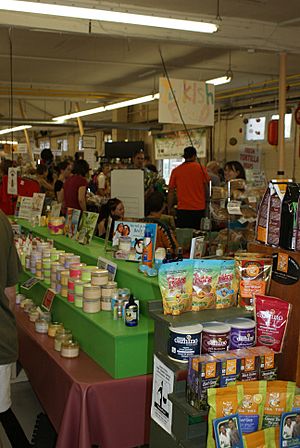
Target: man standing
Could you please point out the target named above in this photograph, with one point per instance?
(10, 268)
(189, 180)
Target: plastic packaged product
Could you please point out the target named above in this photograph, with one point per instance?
(276, 196)
(222, 402)
(265, 438)
(272, 316)
(230, 366)
(242, 333)
(254, 276)
(205, 276)
(262, 221)
(226, 288)
(215, 337)
(184, 342)
(251, 407)
(280, 398)
(203, 374)
(289, 215)
(176, 283)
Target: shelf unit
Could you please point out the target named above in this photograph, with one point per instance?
(189, 426)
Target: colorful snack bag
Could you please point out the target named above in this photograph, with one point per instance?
(222, 402)
(230, 367)
(262, 221)
(251, 408)
(254, 275)
(204, 284)
(203, 374)
(226, 289)
(296, 404)
(249, 365)
(266, 438)
(267, 362)
(289, 216)
(280, 397)
(271, 315)
(175, 282)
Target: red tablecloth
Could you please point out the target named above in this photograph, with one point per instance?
(84, 403)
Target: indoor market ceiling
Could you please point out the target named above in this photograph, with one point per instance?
(50, 65)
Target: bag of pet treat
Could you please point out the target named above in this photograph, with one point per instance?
(272, 316)
(251, 408)
(176, 282)
(279, 399)
(226, 288)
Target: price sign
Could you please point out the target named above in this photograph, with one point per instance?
(48, 299)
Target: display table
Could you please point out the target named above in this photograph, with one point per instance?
(85, 405)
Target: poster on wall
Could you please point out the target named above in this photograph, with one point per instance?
(250, 157)
(196, 101)
(172, 144)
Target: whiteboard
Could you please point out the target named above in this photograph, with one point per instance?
(128, 186)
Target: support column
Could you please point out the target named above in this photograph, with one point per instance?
(282, 109)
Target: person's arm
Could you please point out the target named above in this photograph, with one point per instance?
(60, 196)
(82, 198)
(101, 227)
(10, 292)
(46, 185)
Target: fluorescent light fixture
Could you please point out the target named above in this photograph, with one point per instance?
(218, 81)
(17, 128)
(8, 142)
(107, 16)
(98, 110)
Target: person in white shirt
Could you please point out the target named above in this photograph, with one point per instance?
(224, 437)
(288, 428)
(103, 181)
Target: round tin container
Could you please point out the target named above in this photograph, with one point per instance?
(86, 273)
(71, 259)
(70, 296)
(64, 291)
(242, 333)
(64, 278)
(78, 300)
(91, 306)
(215, 337)
(108, 290)
(184, 342)
(91, 292)
(105, 304)
(75, 269)
(99, 277)
(78, 287)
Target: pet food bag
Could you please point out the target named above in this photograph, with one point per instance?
(205, 278)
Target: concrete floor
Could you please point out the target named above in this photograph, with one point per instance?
(26, 408)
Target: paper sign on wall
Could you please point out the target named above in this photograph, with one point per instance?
(196, 101)
(172, 144)
(250, 157)
(12, 181)
(163, 385)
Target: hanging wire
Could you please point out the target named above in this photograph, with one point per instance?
(11, 104)
(218, 16)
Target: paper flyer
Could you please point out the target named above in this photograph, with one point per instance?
(163, 385)
(37, 204)
(24, 207)
(72, 221)
(86, 227)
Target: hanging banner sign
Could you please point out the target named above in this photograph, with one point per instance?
(172, 144)
(195, 100)
(250, 157)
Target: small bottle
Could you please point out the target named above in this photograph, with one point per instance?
(148, 250)
(168, 258)
(131, 313)
(179, 254)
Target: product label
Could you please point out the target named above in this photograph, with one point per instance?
(249, 423)
(182, 346)
(212, 343)
(242, 338)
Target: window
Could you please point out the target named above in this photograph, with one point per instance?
(168, 166)
(255, 129)
(287, 124)
(62, 144)
(44, 144)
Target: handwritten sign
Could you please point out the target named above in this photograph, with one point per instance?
(250, 157)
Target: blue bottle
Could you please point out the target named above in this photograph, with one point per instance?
(131, 313)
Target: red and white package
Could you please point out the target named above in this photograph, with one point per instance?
(272, 316)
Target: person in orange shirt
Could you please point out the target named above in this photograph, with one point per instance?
(189, 180)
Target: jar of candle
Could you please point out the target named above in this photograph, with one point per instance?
(91, 306)
(99, 277)
(61, 271)
(108, 290)
(71, 259)
(53, 328)
(64, 278)
(71, 284)
(75, 269)
(61, 336)
(78, 287)
(34, 314)
(86, 273)
(39, 274)
(78, 300)
(125, 243)
(70, 296)
(91, 292)
(41, 326)
(69, 349)
(64, 291)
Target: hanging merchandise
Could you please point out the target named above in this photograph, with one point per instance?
(289, 215)
(273, 132)
(262, 221)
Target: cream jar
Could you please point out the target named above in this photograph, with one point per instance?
(78, 301)
(47, 273)
(70, 296)
(86, 273)
(99, 277)
(53, 328)
(53, 285)
(64, 291)
(60, 337)
(105, 304)
(78, 287)
(38, 264)
(64, 278)
(125, 243)
(41, 326)
(46, 263)
(91, 306)
(75, 269)
(71, 284)
(39, 273)
(71, 259)
(91, 292)
(54, 266)
(58, 288)
(108, 290)
(34, 314)
(69, 349)
(27, 262)
(61, 271)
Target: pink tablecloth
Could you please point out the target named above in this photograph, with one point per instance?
(84, 403)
